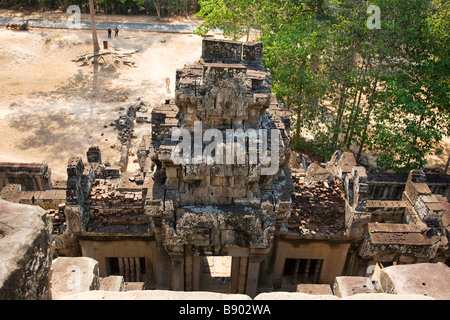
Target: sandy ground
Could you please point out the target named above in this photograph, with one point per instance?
(49, 109)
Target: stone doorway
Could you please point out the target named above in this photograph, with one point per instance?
(133, 269)
(215, 273)
(301, 271)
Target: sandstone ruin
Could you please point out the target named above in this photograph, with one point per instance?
(320, 230)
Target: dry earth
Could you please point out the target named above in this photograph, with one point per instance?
(49, 109)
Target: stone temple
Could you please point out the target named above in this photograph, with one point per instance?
(309, 228)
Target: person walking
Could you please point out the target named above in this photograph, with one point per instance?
(109, 32)
(117, 32)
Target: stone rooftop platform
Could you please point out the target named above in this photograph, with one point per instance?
(381, 233)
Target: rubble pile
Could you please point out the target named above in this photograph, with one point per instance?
(125, 123)
(318, 209)
(58, 219)
(110, 208)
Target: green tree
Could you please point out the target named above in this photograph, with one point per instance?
(413, 115)
(381, 90)
(235, 18)
(294, 40)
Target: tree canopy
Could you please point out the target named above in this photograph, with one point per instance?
(358, 75)
(158, 8)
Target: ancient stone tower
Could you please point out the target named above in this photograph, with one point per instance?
(230, 207)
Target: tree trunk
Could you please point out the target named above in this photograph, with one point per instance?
(96, 45)
(408, 163)
(355, 108)
(447, 165)
(340, 113)
(364, 135)
(352, 123)
(93, 27)
(298, 122)
(158, 8)
(297, 126)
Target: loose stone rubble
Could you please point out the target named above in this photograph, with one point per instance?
(318, 209)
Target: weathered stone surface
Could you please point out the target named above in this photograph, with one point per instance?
(385, 296)
(341, 163)
(111, 210)
(348, 286)
(153, 295)
(31, 176)
(360, 296)
(315, 289)
(220, 50)
(25, 237)
(316, 173)
(94, 155)
(73, 275)
(293, 296)
(74, 223)
(428, 279)
(401, 239)
(112, 283)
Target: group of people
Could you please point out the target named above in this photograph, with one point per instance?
(116, 32)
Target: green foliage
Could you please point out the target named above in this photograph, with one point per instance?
(412, 114)
(351, 87)
(293, 45)
(168, 7)
(234, 17)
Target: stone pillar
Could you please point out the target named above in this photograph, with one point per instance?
(295, 274)
(243, 262)
(306, 271)
(121, 267)
(132, 270)
(351, 263)
(38, 182)
(253, 274)
(273, 257)
(277, 281)
(188, 266)
(138, 269)
(234, 274)
(317, 271)
(160, 252)
(177, 270)
(127, 269)
(196, 273)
